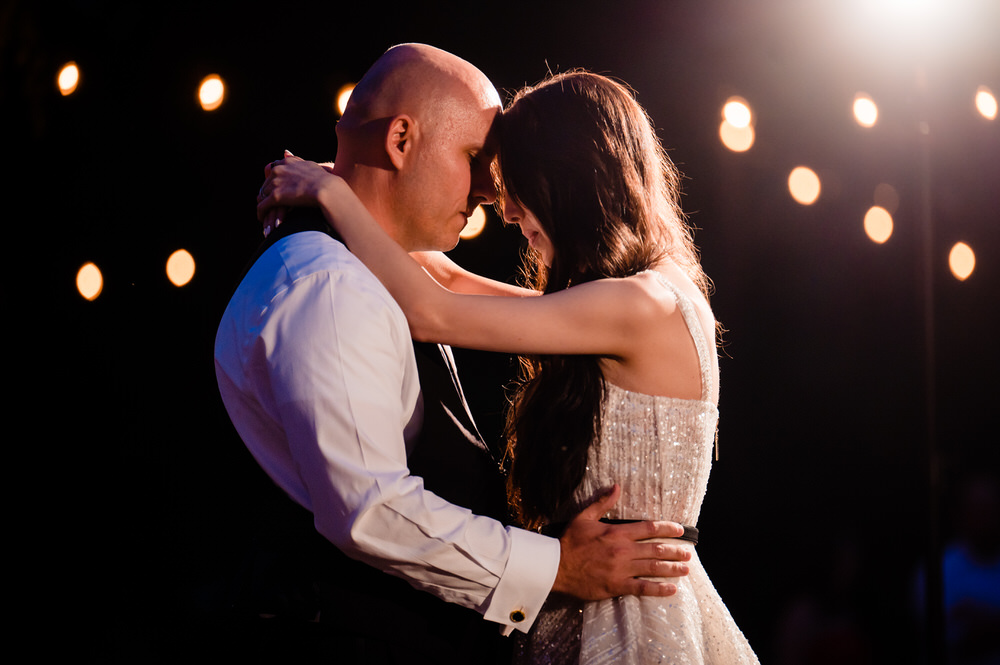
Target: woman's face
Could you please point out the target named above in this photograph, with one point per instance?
(514, 213)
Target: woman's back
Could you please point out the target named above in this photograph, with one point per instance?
(662, 357)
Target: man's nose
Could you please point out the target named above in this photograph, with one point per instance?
(483, 190)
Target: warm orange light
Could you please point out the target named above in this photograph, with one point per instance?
(986, 103)
(211, 92)
(878, 224)
(737, 112)
(477, 222)
(865, 110)
(69, 78)
(737, 139)
(343, 95)
(803, 184)
(962, 261)
(89, 281)
(180, 267)
(736, 131)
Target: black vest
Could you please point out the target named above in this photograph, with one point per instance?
(358, 600)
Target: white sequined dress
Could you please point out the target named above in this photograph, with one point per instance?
(660, 450)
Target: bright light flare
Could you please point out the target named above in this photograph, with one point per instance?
(962, 261)
(211, 92)
(986, 103)
(477, 222)
(803, 184)
(180, 267)
(343, 95)
(69, 79)
(878, 224)
(911, 17)
(89, 281)
(865, 110)
(907, 31)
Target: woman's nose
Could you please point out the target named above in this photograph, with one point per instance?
(512, 213)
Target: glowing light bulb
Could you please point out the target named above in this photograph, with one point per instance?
(89, 281)
(211, 92)
(986, 103)
(737, 112)
(962, 261)
(865, 110)
(180, 267)
(803, 184)
(69, 78)
(878, 224)
(737, 139)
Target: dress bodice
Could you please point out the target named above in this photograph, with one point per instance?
(659, 449)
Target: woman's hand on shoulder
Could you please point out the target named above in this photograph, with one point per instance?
(291, 181)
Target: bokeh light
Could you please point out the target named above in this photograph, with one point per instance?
(736, 131)
(962, 261)
(68, 79)
(211, 92)
(986, 103)
(865, 110)
(878, 224)
(803, 184)
(89, 281)
(737, 112)
(737, 139)
(343, 95)
(180, 267)
(477, 222)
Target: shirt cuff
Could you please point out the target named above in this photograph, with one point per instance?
(526, 581)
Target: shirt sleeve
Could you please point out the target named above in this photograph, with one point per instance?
(338, 358)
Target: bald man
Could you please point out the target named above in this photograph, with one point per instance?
(369, 431)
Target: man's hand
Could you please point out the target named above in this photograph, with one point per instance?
(601, 560)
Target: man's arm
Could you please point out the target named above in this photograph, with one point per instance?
(335, 387)
(334, 361)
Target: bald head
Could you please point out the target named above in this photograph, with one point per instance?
(416, 142)
(417, 80)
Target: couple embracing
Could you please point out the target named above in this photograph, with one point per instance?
(333, 362)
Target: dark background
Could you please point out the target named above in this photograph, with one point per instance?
(140, 503)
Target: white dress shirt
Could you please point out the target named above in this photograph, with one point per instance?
(316, 368)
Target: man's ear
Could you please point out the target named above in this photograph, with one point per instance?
(399, 139)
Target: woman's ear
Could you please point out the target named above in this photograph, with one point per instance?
(399, 139)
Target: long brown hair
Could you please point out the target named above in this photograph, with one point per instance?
(580, 153)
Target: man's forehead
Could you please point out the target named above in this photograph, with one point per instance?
(491, 96)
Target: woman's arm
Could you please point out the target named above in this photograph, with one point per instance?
(455, 278)
(607, 317)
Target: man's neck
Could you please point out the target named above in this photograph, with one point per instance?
(371, 186)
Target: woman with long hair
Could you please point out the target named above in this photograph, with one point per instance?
(619, 374)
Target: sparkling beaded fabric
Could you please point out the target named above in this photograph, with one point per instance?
(660, 450)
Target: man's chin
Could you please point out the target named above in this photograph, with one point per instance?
(451, 242)
(441, 245)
